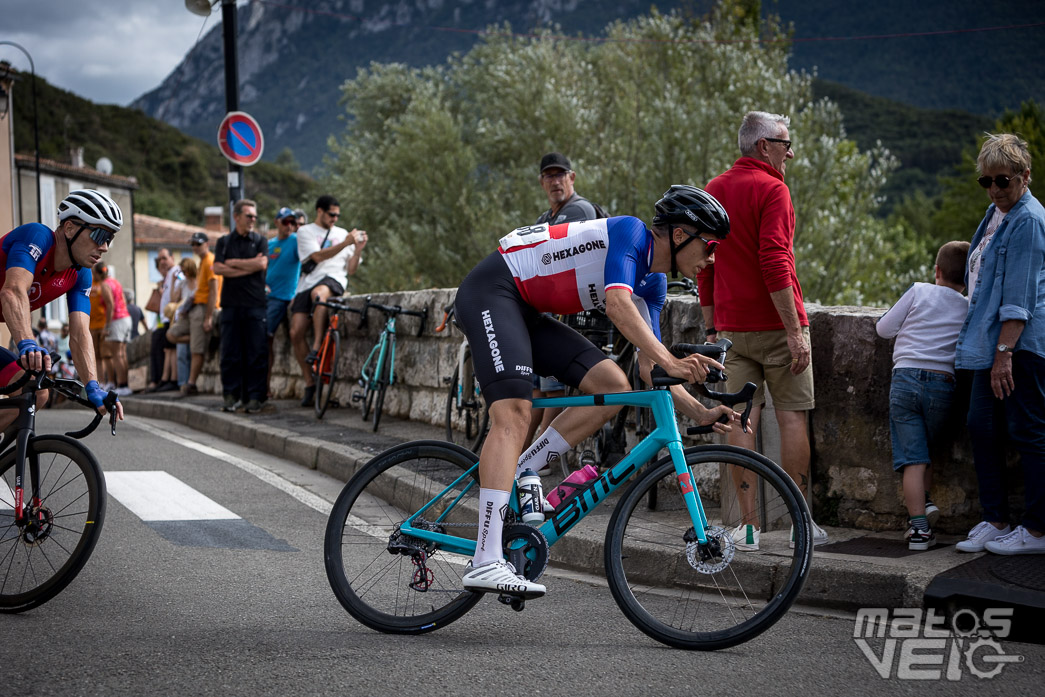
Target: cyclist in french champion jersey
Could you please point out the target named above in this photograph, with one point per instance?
(38, 266)
(615, 264)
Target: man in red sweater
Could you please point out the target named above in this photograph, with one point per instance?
(751, 296)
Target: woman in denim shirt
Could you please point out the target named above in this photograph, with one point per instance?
(1003, 343)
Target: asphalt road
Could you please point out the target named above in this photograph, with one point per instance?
(242, 607)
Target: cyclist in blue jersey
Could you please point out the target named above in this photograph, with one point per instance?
(37, 265)
(615, 264)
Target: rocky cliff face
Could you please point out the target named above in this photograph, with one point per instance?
(294, 55)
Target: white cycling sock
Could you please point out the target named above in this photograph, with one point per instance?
(493, 504)
(548, 448)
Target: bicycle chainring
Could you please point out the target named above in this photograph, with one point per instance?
(715, 555)
(527, 549)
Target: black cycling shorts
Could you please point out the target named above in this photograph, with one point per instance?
(510, 340)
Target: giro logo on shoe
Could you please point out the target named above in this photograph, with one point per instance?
(511, 587)
(929, 647)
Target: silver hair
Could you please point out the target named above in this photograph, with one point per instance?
(756, 126)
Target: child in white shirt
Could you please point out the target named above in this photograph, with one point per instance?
(926, 322)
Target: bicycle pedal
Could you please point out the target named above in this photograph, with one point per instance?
(516, 602)
(357, 397)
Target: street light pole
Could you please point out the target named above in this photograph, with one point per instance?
(228, 21)
(36, 130)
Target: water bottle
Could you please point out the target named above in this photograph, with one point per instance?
(571, 484)
(531, 497)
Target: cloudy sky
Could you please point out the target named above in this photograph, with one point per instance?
(109, 51)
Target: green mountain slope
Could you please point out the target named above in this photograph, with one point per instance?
(179, 175)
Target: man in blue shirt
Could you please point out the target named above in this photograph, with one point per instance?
(282, 277)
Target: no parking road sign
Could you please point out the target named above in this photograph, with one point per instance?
(239, 138)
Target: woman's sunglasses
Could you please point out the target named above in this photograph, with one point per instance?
(1001, 181)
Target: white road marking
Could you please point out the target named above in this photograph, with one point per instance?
(154, 496)
(303, 495)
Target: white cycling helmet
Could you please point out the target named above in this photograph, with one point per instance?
(92, 207)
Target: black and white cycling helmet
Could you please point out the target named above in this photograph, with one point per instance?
(92, 207)
(683, 204)
(688, 205)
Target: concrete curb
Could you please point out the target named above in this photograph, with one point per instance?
(837, 581)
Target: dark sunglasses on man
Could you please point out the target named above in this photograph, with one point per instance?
(291, 222)
(98, 235)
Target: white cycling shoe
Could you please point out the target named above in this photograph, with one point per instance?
(500, 577)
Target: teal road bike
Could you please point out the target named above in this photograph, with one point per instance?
(378, 371)
(404, 526)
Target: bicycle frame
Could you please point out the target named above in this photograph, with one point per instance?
(664, 435)
(386, 343)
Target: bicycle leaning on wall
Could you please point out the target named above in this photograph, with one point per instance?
(378, 370)
(467, 419)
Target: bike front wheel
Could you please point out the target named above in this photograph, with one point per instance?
(43, 553)
(326, 371)
(389, 581)
(656, 570)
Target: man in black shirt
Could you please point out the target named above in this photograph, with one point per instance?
(241, 257)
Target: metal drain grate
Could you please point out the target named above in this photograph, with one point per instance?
(1027, 571)
(869, 546)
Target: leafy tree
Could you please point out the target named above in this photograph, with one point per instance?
(439, 163)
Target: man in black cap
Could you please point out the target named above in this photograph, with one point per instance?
(565, 204)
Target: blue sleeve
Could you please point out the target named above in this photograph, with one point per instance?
(653, 290)
(79, 297)
(26, 245)
(626, 258)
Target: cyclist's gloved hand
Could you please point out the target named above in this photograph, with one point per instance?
(26, 350)
(28, 346)
(95, 394)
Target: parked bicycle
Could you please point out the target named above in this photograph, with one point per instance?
(52, 497)
(467, 419)
(325, 367)
(403, 527)
(378, 370)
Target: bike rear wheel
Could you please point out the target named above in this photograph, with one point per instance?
(38, 560)
(373, 569)
(326, 371)
(466, 424)
(726, 601)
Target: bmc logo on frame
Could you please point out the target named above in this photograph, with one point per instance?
(912, 644)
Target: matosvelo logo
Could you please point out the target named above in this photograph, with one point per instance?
(912, 644)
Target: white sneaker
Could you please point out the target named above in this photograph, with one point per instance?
(819, 536)
(745, 537)
(980, 535)
(1019, 541)
(500, 577)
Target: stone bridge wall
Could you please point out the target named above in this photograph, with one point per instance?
(853, 481)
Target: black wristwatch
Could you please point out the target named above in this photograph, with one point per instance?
(710, 330)
(1003, 348)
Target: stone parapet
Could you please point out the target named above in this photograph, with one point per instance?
(854, 484)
